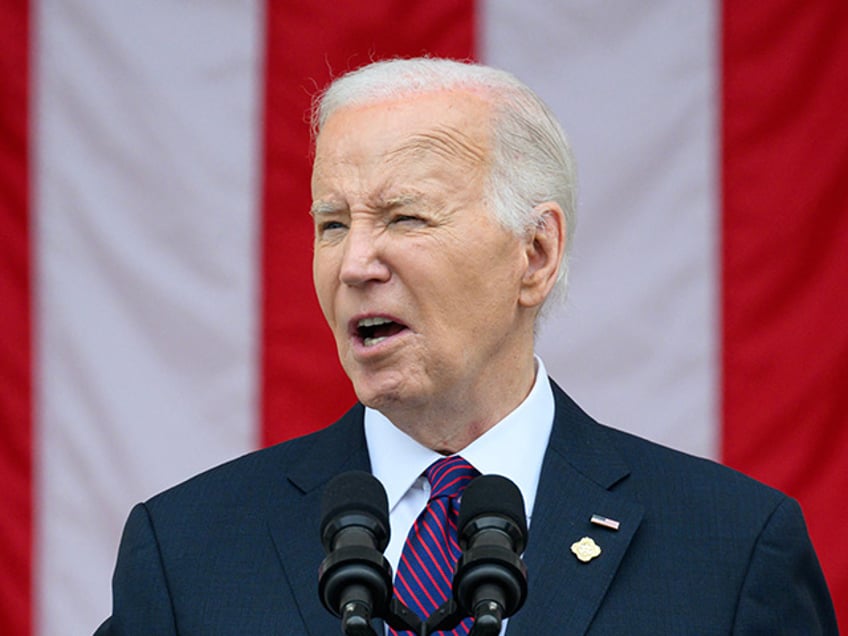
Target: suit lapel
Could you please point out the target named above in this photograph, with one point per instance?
(295, 528)
(578, 472)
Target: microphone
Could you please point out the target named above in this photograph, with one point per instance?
(355, 579)
(490, 582)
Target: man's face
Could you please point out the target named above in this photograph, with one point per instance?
(417, 280)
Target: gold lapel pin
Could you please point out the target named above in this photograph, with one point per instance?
(585, 549)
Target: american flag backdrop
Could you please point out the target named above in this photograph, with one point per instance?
(156, 307)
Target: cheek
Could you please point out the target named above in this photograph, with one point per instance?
(322, 280)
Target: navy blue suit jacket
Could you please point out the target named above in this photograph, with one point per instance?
(701, 549)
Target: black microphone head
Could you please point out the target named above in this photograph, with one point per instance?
(355, 579)
(493, 496)
(355, 498)
(490, 581)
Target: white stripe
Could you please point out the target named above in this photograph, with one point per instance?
(634, 85)
(146, 178)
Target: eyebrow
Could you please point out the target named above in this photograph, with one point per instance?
(400, 200)
(321, 208)
(325, 208)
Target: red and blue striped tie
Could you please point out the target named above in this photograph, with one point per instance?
(425, 571)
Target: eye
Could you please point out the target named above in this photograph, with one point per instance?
(407, 218)
(330, 227)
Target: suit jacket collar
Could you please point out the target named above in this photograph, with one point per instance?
(295, 527)
(579, 471)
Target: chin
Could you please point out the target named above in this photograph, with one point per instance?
(383, 396)
(376, 398)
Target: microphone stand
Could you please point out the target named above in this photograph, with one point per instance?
(355, 619)
(487, 621)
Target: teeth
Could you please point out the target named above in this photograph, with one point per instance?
(373, 322)
(367, 328)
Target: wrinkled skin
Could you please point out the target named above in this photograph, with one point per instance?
(431, 301)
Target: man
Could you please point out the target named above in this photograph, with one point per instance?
(443, 201)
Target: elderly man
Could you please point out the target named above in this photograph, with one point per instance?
(443, 204)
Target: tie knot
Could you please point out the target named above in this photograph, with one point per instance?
(449, 476)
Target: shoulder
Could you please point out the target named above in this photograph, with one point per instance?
(719, 547)
(265, 473)
(672, 484)
(665, 478)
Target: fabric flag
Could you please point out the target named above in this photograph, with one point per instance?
(156, 307)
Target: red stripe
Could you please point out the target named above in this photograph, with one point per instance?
(441, 561)
(15, 343)
(422, 565)
(785, 259)
(419, 602)
(303, 387)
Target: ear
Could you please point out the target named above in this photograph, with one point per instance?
(544, 252)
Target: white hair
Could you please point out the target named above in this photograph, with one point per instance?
(532, 161)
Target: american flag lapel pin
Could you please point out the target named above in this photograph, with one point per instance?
(605, 522)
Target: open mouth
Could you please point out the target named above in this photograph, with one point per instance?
(373, 330)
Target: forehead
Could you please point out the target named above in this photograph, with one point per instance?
(450, 126)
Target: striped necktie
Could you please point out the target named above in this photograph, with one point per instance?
(425, 571)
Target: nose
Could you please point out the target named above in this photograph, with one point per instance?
(362, 258)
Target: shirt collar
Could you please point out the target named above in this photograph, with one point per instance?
(514, 447)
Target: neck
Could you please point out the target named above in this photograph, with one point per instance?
(450, 425)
